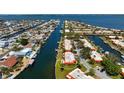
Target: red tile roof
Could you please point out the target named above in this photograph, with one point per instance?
(9, 62)
(28, 46)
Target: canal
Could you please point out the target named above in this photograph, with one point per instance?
(44, 66)
(99, 42)
(20, 31)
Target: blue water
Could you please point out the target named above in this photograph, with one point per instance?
(109, 21)
(99, 42)
(44, 66)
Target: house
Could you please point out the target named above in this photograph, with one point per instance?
(98, 32)
(4, 44)
(28, 46)
(67, 30)
(23, 52)
(87, 44)
(118, 42)
(67, 44)
(107, 32)
(96, 56)
(9, 62)
(69, 58)
(111, 37)
(78, 74)
(122, 71)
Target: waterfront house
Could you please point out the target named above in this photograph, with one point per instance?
(116, 37)
(118, 42)
(78, 74)
(23, 52)
(96, 56)
(69, 58)
(9, 62)
(4, 44)
(29, 45)
(67, 30)
(67, 44)
(107, 32)
(122, 71)
(111, 37)
(87, 44)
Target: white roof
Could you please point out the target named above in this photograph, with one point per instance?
(3, 42)
(78, 74)
(87, 44)
(67, 30)
(67, 44)
(11, 53)
(96, 56)
(20, 53)
(112, 36)
(119, 42)
(69, 57)
(122, 69)
(25, 50)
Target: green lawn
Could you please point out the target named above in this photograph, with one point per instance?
(61, 74)
(67, 68)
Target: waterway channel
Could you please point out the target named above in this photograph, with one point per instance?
(99, 42)
(44, 66)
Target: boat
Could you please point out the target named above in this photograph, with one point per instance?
(34, 56)
(122, 58)
(56, 50)
(31, 61)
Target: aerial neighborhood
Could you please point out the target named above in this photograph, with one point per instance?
(63, 49)
(19, 48)
(80, 54)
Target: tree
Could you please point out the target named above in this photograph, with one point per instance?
(111, 68)
(24, 42)
(5, 70)
(76, 37)
(78, 64)
(62, 67)
(80, 44)
(113, 58)
(91, 72)
(16, 48)
(85, 52)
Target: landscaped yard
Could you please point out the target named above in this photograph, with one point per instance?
(61, 69)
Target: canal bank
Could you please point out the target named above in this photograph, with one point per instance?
(44, 66)
(99, 42)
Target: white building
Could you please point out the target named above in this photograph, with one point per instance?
(96, 56)
(118, 42)
(67, 44)
(67, 30)
(87, 44)
(23, 52)
(78, 74)
(69, 58)
(4, 44)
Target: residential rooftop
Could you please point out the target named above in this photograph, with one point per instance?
(78, 74)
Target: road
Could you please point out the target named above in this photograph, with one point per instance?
(102, 75)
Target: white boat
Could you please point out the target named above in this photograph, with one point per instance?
(122, 58)
(31, 61)
(56, 50)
